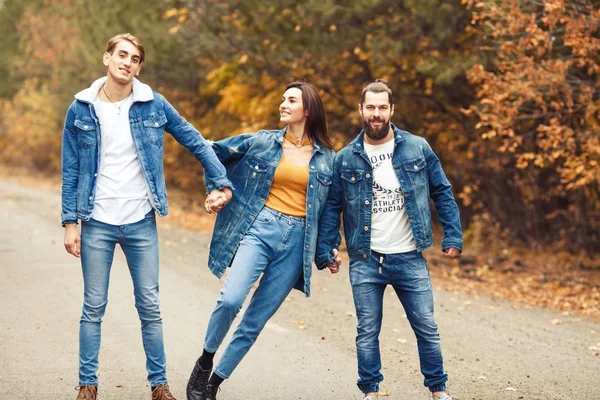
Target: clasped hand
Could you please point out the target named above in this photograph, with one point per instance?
(217, 199)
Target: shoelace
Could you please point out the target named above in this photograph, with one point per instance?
(86, 391)
(162, 393)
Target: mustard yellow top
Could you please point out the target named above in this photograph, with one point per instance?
(288, 191)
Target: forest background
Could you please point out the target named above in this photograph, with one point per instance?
(506, 92)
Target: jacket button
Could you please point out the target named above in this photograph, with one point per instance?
(416, 166)
(368, 175)
(366, 228)
(367, 202)
(310, 206)
(312, 167)
(312, 187)
(353, 179)
(308, 225)
(90, 198)
(85, 127)
(156, 124)
(364, 256)
(95, 174)
(256, 167)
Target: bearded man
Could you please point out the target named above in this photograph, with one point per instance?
(382, 183)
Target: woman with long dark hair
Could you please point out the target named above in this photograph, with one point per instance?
(281, 180)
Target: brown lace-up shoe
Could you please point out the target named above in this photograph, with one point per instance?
(87, 393)
(162, 392)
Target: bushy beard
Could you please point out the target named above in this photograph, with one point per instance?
(376, 133)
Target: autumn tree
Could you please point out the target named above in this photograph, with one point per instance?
(538, 108)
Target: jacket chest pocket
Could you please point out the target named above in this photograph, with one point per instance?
(86, 133)
(256, 169)
(324, 184)
(154, 126)
(351, 182)
(416, 172)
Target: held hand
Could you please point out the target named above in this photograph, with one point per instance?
(72, 240)
(334, 267)
(452, 252)
(217, 199)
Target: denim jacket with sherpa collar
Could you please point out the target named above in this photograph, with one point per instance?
(251, 160)
(421, 177)
(149, 116)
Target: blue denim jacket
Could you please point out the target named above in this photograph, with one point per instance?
(149, 116)
(251, 160)
(421, 177)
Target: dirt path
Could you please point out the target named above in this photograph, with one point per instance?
(492, 350)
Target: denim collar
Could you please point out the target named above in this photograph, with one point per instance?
(141, 91)
(358, 142)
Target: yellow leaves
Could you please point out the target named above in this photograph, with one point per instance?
(179, 14)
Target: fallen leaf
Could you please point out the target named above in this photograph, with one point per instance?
(298, 322)
(402, 341)
(350, 314)
(556, 321)
(510, 389)
(482, 378)
(384, 392)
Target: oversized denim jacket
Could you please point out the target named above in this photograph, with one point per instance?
(149, 116)
(421, 177)
(251, 160)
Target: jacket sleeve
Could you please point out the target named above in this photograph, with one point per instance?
(192, 139)
(440, 191)
(329, 236)
(70, 170)
(228, 150)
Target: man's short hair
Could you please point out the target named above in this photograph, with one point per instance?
(379, 86)
(112, 43)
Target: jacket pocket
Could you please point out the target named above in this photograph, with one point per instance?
(256, 165)
(416, 171)
(86, 133)
(323, 187)
(154, 125)
(351, 181)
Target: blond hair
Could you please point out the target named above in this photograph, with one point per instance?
(112, 43)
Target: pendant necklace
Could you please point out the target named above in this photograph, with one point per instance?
(297, 142)
(118, 105)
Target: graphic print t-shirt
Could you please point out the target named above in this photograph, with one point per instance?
(390, 230)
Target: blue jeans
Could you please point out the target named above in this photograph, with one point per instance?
(139, 242)
(409, 276)
(272, 246)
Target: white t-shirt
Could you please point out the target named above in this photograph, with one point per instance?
(121, 190)
(390, 229)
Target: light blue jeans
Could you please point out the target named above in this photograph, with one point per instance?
(272, 246)
(139, 242)
(407, 273)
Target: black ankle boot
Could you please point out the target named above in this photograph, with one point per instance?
(211, 392)
(196, 387)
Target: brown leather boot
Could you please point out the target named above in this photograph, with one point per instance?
(162, 392)
(87, 393)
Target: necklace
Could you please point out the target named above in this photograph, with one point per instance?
(297, 142)
(118, 105)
